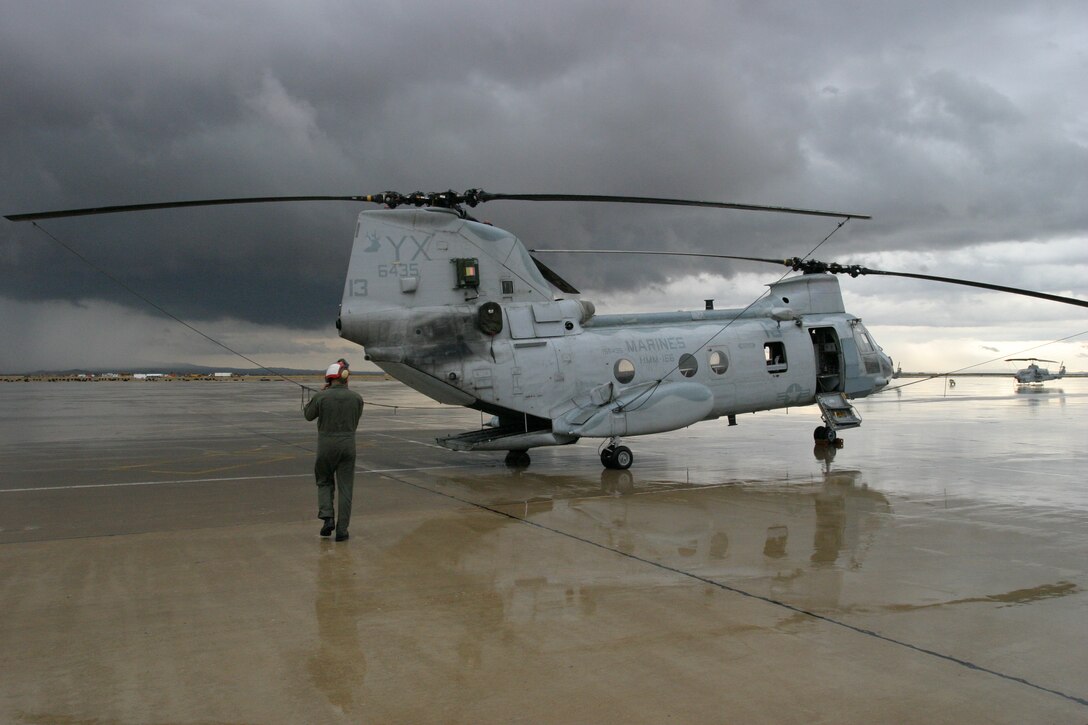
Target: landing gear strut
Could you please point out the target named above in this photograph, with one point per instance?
(836, 412)
(618, 458)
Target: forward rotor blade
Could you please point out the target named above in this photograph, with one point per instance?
(980, 285)
(550, 275)
(89, 211)
(784, 262)
(811, 266)
(483, 196)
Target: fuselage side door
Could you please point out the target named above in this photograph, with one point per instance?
(829, 361)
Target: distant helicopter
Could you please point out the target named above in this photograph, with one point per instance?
(462, 312)
(1033, 373)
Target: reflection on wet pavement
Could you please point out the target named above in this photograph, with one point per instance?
(788, 535)
(341, 600)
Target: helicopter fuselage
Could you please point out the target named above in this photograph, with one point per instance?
(459, 311)
(1034, 374)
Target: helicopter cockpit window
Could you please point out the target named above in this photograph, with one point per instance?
(624, 370)
(688, 365)
(865, 343)
(774, 354)
(719, 363)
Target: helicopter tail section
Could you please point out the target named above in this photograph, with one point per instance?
(423, 294)
(430, 258)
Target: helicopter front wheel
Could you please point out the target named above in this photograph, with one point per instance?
(824, 434)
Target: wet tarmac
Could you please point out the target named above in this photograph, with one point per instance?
(160, 563)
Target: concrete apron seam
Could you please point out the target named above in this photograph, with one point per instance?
(759, 597)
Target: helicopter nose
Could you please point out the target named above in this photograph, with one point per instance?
(886, 370)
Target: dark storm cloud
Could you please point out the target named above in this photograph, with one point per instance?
(921, 114)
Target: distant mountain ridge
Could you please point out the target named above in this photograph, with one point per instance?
(179, 369)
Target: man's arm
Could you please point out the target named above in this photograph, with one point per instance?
(358, 412)
(312, 407)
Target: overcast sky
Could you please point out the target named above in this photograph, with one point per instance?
(962, 127)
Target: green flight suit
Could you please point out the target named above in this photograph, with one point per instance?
(337, 410)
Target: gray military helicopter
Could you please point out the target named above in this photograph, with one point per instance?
(1034, 374)
(462, 312)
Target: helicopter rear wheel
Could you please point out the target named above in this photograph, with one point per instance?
(618, 458)
(622, 458)
(517, 459)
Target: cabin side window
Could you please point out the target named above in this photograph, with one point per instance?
(624, 370)
(688, 365)
(718, 362)
(774, 355)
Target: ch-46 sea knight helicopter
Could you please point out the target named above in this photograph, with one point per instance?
(1033, 373)
(462, 312)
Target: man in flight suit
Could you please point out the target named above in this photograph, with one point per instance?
(337, 411)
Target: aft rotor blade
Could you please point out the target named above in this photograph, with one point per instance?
(483, 196)
(89, 211)
(446, 199)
